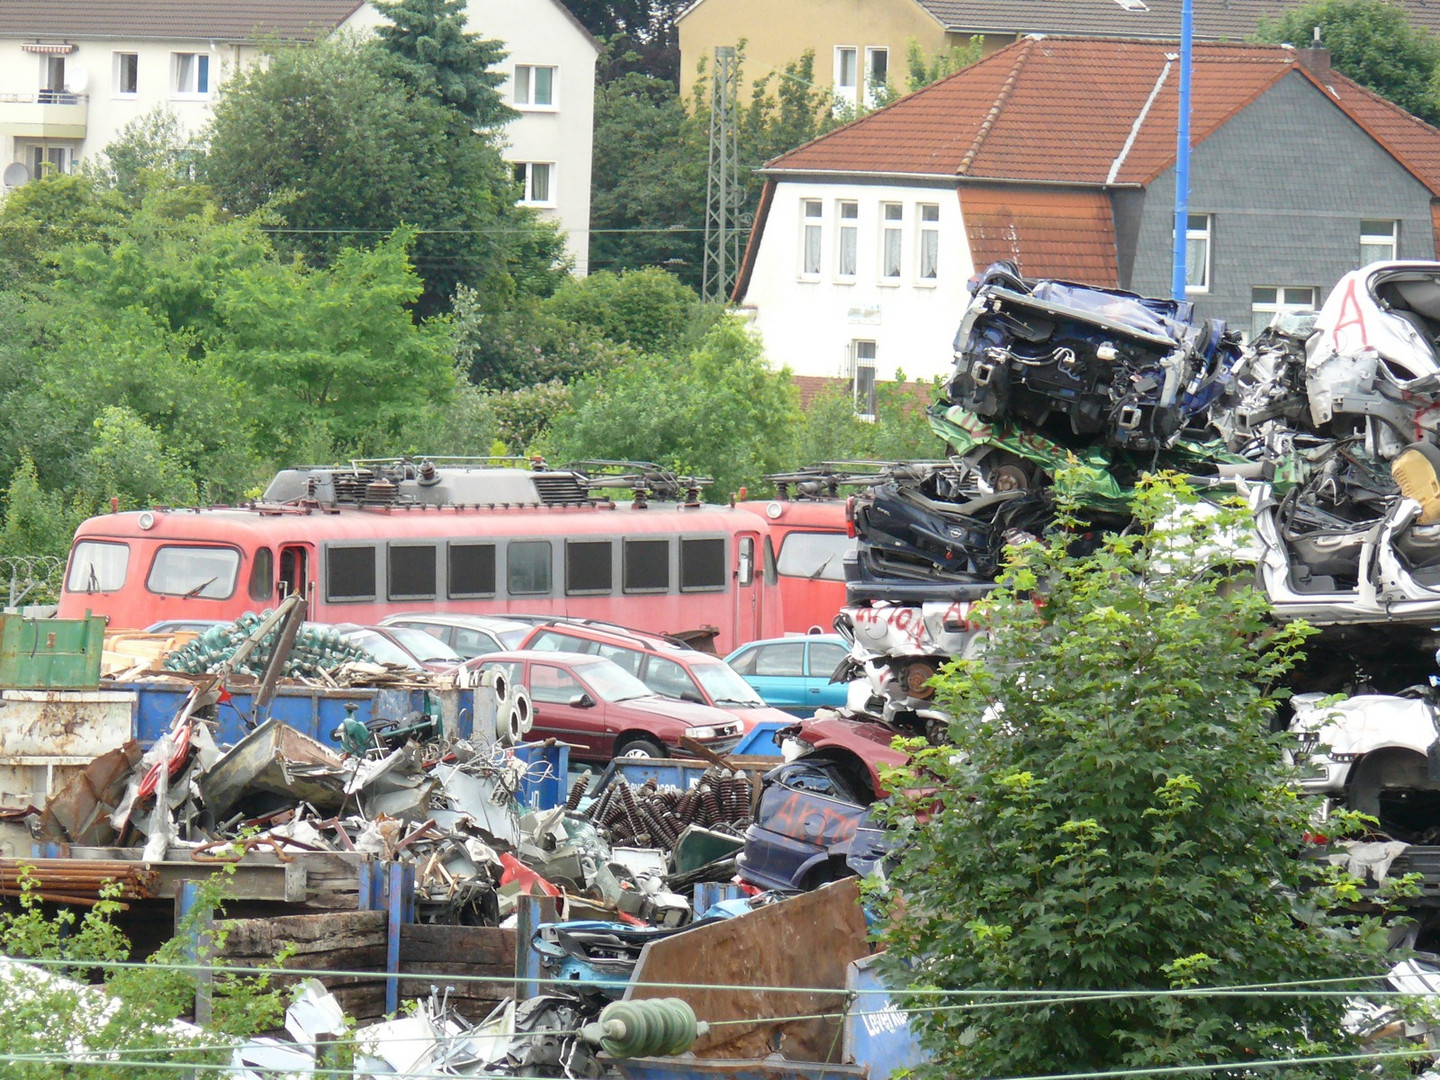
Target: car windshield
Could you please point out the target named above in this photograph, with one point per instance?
(612, 682)
(426, 647)
(380, 647)
(511, 639)
(723, 685)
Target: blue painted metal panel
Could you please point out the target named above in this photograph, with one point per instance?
(315, 711)
(547, 775)
(878, 1037)
(761, 742)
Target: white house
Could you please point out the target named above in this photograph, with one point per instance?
(74, 73)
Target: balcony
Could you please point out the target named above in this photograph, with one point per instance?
(45, 114)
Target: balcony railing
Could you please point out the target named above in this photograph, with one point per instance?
(47, 114)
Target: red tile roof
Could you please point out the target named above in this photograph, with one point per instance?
(1048, 232)
(1087, 111)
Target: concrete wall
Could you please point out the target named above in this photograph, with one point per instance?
(775, 34)
(1288, 181)
(809, 322)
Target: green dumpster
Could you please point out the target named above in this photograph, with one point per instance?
(44, 654)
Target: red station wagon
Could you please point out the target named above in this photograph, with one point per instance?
(599, 707)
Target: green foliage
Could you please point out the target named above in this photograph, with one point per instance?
(923, 71)
(127, 1017)
(831, 431)
(646, 309)
(48, 213)
(1114, 815)
(128, 461)
(521, 416)
(528, 344)
(718, 411)
(36, 521)
(324, 139)
(426, 46)
(152, 149)
(1373, 43)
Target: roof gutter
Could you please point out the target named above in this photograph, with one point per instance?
(938, 179)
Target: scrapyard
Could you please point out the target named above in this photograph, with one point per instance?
(698, 916)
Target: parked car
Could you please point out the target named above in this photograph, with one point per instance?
(468, 635)
(793, 673)
(413, 649)
(173, 626)
(667, 667)
(813, 822)
(604, 711)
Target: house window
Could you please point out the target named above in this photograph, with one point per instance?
(534, 86)
(846, 74)
(1197, 253)
(877, 75)
(52, 82)
(1267, 301)
(1378, 241)
(862, 378)
(929, 241)
(192, 73)
(127, 73)
(810, 238)
(46, 160)
(537, 182)
(849, 217)
(890, 241)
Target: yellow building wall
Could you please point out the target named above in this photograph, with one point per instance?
(777, 33)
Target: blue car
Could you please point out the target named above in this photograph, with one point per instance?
(793, 673)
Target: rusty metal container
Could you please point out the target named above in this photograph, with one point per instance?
(50, 654)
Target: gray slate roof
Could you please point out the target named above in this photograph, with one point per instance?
(219, 20)
(1215, 20)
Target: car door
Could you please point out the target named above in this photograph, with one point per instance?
(779, 676)
(470, 642)
(553, 690)
(822, 658)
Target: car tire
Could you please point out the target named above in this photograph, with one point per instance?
(640, 746)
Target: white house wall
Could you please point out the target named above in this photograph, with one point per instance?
(811, 322)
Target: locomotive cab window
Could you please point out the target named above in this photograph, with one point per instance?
(587, 567)
(262, 574)
(819, 556)
(702, 565)
(97, 567)
(527, 567)
(411, 573)
(647, 566)
(472, 570)
(189, 571)
(350, 573)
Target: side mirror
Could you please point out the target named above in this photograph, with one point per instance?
(581, 701)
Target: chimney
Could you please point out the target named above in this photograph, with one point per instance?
(1316, 59)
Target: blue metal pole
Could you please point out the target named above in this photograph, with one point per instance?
(1182, 155)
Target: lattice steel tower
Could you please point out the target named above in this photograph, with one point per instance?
(722, 187)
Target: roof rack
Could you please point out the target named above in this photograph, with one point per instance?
(645, 480)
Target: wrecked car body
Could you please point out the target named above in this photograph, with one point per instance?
(1100, 363)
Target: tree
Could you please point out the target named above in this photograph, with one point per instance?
(640, 35)
(427, 47)
(923, 72)
(152, 148)
(526, 345)
(646, 309)
(338, 154)
(1373, 43)
(1114, 816)
(899, 431)
(717, 411)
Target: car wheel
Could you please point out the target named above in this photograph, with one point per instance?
(640, 746)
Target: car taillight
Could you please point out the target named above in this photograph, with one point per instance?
(850, 517)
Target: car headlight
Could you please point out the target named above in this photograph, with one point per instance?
(700, 733)
(792, 748)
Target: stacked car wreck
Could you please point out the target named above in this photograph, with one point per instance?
(1326, 423)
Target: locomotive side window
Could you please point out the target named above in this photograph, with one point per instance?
(412, 572)
(472, 570)
(97, 567)
(702, 565)
(350, 573)
(819, 556)
(189, 571)
(527, 567)
(262, 574)
(587, 567)
(647, 566)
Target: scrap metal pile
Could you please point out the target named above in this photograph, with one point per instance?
(1328, 421)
